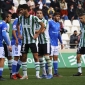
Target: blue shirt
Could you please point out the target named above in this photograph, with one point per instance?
(54, 32)
(14, 27)
(3, 33)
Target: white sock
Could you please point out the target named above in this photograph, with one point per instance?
(49, 64)
(10, 65)
(24, 68)
(79, 67)
(37, 68)
(42, 65)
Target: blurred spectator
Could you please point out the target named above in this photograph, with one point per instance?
(74, 40)
(32, 12)
(2, 6)
(40, 4)
(55, 4)
(79, 10)
(45, 11)
(51, 10)
(63, 10)
(50, 16)
(43, 1)
(15, 3)
(80, 2)
(71, 13)
(31, 3)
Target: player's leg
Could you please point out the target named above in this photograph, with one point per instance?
(42, 61)
(55, 61)
(79, 73)
(78, 57)
(1, 62)
(46, 51)
(23, 58)
(34, 50)
(8, 55)
(15, 65)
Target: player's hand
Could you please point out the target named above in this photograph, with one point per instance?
(35, 36)
(16, 42)
(20, 37)
(10, 48)
(62, 46)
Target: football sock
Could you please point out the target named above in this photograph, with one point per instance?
(14, 66)
(37, 68)
(55, 66)
(24, 68)
(10, 65)
(49, 64)
(1, 71)
(18, 66)
(79, 67)
(42, 64)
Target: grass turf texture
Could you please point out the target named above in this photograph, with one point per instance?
(67, 78)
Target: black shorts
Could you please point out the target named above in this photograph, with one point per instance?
(5, 50)
(44, 49)
(81, 50)
(32, 46)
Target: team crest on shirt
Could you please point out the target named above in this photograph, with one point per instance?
(14, 26)
(5, 28)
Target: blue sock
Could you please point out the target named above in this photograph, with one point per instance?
(46, 66)
(55, 66)
(18, 66)
(1, 71)
(14, 66)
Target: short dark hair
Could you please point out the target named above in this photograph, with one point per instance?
(25, 6)
(39, 10)
(56, 13)
(81, 14)
(4, 15)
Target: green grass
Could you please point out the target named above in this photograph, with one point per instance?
(67, 78)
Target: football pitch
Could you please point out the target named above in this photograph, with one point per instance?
(67, 78)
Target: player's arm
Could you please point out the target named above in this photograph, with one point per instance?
(46, 26)
(40, 30)
(5, 37)
(18, 27)
(60, 39)
(14, 29)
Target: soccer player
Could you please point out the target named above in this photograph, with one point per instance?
(8, 54)
(6, 18)
(28, 37)
(16, 49)
(81, 47)
(54, 33)
(44, 45)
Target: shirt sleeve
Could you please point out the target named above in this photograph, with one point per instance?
(14, 25)
(37, 19)
(4, 34)
(59, 37)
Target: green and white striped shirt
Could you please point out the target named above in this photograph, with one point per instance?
(43, 37)
(82, 38)
(28, 28)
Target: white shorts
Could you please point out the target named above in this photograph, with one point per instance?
(2, 53)
(16, 50)
(54, 50)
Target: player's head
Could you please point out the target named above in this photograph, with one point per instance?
(26, 8)
(39, 13)
(82, 17)
(20, 10)
(56, 16)
(6, 16)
